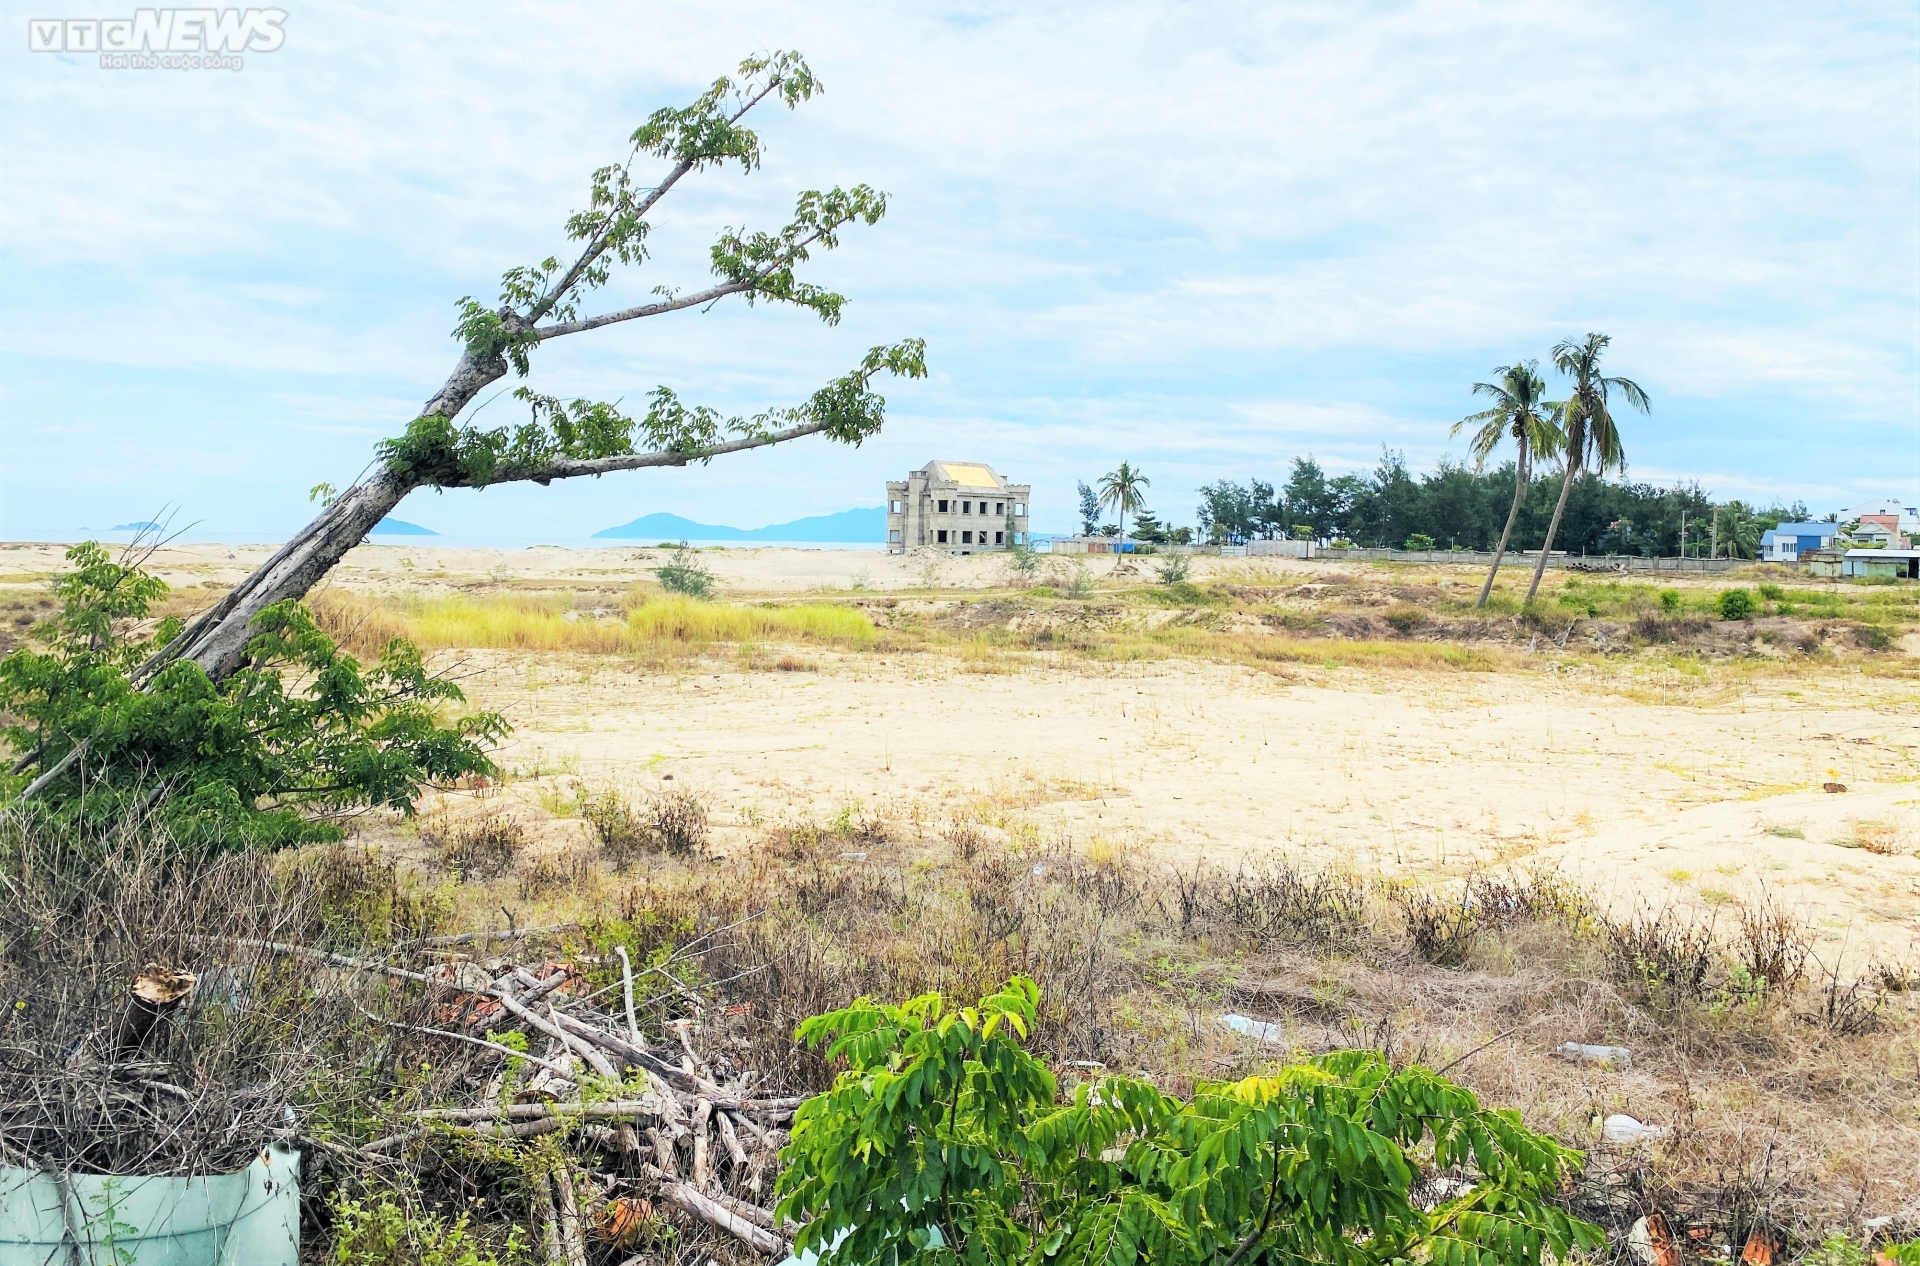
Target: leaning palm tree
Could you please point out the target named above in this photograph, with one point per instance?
(1121, 489)
(1521, 413)
(1591, 436)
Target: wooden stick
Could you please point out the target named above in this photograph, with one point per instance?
(702, 1112)
(663, 1153)
(468, 938)
(626, 988)
(571, 1233)
(549, 1219)
(716, 1215)
(645, 1106)
(634, 1055)
(730, 1139)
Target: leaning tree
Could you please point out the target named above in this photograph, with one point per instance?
(563, 439)
(1590, 434)
(1521, 412)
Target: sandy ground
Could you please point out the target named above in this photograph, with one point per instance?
(741, 572)
(1426, 774)
(1421, 773)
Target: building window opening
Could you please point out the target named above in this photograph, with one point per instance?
(999, 538)
(966, 507)
(966, 538)
(893, 536)
(942, 538)
(999, 507)
(943, 507)
(896, 507)
(1019, 510)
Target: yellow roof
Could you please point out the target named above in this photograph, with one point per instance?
(970, 474)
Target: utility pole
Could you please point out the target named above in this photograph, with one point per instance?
(1713, 551)
(1683, 534)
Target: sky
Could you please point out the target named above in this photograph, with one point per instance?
(1202, 238)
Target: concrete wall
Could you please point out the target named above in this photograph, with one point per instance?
(1578, 562)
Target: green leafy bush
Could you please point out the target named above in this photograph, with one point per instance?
(945, 1141)
(1419, 541)
(1670, 601)
(684, 574)
(381, 1231)
(1175, 569)
(304, 727)
(1737, 604)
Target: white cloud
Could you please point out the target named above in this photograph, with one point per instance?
(1216, 234)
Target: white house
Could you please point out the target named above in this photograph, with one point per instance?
(1785, 543)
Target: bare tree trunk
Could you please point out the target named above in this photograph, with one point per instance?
(1553, 528)
(1506, 534)
(217, 640)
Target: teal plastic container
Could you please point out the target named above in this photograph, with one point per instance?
(251, 1218)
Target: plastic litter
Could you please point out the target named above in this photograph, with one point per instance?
(1261, 1030)
(1581, 1053)
(1620, 1128)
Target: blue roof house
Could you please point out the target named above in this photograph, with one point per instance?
(1784, 544)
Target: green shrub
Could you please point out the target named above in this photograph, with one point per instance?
(1175, 569)
(303, 728)
(683, 574)
(1419, 541)
(1772, 593)
(672, 821)
(382, 1232)
(945, 1140)
(1670, 601)
(1737, 604)
(1405, 618)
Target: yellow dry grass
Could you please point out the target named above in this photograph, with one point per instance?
(546, 623)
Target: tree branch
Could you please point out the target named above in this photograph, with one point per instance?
(708, 295)
(598, 246)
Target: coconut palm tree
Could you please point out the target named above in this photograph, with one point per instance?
(1121, 489)
(1520, 412)
(1587, 418)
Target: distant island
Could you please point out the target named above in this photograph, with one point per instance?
(848, 526)
(143, 526)
(400, 527)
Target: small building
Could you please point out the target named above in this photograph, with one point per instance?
(1826, 563)
(1899, 520)
(1874, 534)
(1900, 564)
(1785, 543)
(961, 507)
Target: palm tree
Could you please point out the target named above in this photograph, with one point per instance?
(1519, 412)
(1121, 489)
(1587, 417)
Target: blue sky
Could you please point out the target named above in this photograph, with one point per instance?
(1202, 238)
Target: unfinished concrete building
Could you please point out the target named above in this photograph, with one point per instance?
(961, 507)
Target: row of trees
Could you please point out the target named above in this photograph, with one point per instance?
(1455, 506)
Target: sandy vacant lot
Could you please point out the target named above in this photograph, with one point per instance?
(1654, 799)
(1417, 773)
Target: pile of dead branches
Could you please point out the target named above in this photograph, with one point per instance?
(609, 1133)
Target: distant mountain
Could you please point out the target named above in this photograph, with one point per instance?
(142, 526)
(400, 527)
(848, 526)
